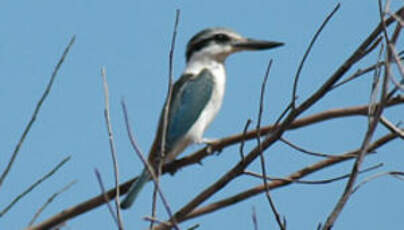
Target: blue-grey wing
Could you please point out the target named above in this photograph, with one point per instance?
(191, 93)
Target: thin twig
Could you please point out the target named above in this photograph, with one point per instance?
(283, 114)
(375, 88)
(107, 115)
(154, 205)
(324, 181)
(202, 153)
(367, 139)
(300, 149)
(262, 159)
(198, 156)
(254, 218)
(274, 137)
(166, 112)
(243, 139)
(147, 166)
(396, 174)
(50, 199)
(322, 164)
(107, 199)
(397, 59)
(398, 28)
(397, 18)
(357, 74)
(94, 202)
(34, 185)
(154, 219)
(306, 54)
(36, 111)
(398, 84)
(373, 46)
(391, 127)
(195, 226)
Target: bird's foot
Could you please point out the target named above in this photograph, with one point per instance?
(209, 142)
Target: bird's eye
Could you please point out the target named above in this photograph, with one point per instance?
(221, 38)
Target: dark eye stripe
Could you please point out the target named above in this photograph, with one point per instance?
(197, 46)
(219, 38)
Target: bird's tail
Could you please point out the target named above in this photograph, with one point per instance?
(135, 188)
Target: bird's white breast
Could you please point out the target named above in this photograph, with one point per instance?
(212, 108)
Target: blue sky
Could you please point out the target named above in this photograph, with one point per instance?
(131, 39)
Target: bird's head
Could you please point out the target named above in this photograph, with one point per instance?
(219, 43)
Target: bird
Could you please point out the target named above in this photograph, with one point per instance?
(196, 96)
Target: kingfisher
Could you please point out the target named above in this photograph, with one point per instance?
(196, 97)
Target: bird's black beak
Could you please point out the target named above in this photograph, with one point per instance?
(252, 44)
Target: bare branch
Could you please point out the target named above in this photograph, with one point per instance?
(196, 157)
(397, 174)
(298, 123)
(262, 159)
(50, 199)
(232, 200)
(107, 199)
(165, 114)
(154, 219)
(290, 122)
(306, 54)
(243, 139)
(358, 73)
(112, 149)
(392, 127)
(34, 185)
(36, 111)
(324, 181)
(300, 149)
(368, 137)
(254, 218)
(397, 59)
(147, 166)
